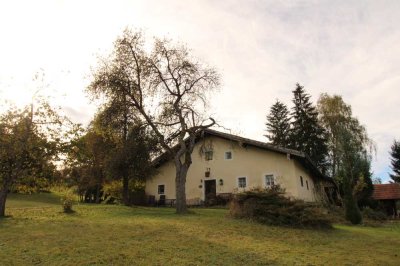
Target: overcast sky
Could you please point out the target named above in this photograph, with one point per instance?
(261, 49)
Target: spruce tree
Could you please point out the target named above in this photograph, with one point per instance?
(278, 125)
(395, 161)
(307, 135)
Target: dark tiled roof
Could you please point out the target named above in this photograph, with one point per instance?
(303, 158)
(386, 191)
(252, 142)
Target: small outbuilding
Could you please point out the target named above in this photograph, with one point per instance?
(388, 195)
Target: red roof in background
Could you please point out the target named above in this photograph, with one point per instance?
(386, 191)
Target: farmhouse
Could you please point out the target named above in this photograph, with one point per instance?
(224, 164)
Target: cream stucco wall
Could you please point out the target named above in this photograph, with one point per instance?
(250, 162)
(307, 191)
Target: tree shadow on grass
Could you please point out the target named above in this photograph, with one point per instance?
(31, 200)
(169, 212)
(69, 212)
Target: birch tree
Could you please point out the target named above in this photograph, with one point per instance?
(350, 152)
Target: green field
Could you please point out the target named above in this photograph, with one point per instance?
(39, 233)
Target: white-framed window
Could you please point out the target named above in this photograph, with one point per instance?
(208, 155)
(269, 180)
(161, 189)
(228, 155)
(242, 182)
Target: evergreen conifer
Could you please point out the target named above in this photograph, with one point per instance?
(278, 125)
(307, 135)
(395, 161)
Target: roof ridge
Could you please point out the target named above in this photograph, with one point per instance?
(301, 156)
(261, 142)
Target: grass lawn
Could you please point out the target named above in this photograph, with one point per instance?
(38, 233)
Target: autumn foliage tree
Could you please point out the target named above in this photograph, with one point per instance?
(349, 154)
(30, 142)
(86, 163)
(114, 148)
(167, 88)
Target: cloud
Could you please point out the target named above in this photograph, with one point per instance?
(261, 48)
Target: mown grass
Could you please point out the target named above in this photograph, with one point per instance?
(39, 233)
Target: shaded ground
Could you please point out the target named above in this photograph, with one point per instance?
(38, 233)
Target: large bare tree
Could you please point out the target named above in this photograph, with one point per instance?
(168, 89)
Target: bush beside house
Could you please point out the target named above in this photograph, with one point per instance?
(270, 206)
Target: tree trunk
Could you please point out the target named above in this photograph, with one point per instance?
(125, 190)
(3, 195)
(352, 212)
(334, 165)
(3, 198)
(98, 194)
(180, 183)
(125, 178)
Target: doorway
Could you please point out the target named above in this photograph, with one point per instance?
(210, 191)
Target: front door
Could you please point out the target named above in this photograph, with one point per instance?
(210, 191)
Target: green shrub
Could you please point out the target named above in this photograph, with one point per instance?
(113, 192)
(31, 185)
(374, 214)
(270, 206)
(24, 189)
(67, 202)
(336, 214)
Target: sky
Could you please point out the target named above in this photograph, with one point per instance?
(260, 48)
